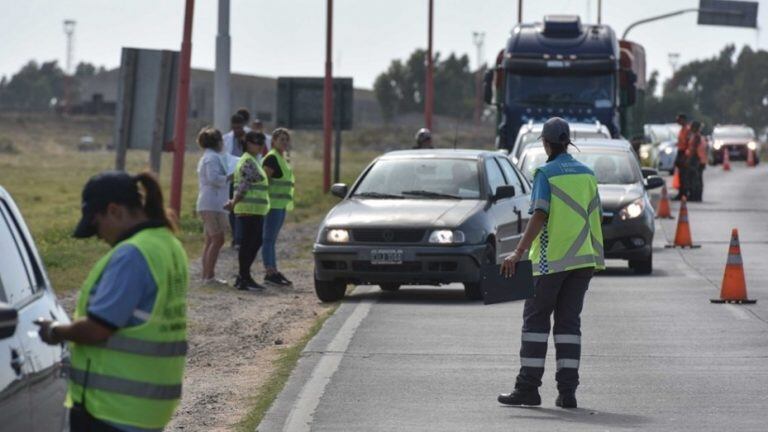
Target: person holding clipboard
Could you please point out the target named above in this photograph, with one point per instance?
(566, 247)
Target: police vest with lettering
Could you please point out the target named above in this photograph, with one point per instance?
(281, 190)
(572, 237)
(256, 199)
(135, 377)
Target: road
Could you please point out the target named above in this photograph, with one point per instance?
(657, 355)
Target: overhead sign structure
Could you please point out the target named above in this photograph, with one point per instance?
(300, 103)
(728, 13)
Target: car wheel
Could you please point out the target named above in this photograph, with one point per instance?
(643, 266)
(330, 291)
(474, 290)
(389, 287)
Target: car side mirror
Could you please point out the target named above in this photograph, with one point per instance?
(503, 192)
(647, 172)
(339, 190)
(9, 318)
(654, 182)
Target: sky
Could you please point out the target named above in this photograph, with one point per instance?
(287, 37)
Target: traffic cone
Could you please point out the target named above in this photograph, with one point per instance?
(734, 287)
(676, 180)
(683, 231)
(663, 212)
(750, 158)
(726, 160)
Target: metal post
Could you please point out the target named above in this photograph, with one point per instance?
(429, 100)
(519, 11)
(222, 96)
(328, 98)
(182, 100)
(599, 11)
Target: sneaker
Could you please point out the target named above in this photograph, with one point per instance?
(214, 281)
(566, 400)
(285, 279)
(275, 279)
(521, 397)
(249, 284)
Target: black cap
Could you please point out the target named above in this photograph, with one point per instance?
(101, 190)
(556, 131)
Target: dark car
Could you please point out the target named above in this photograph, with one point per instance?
(628, 225)
(737, 140)
(423, 217)
(32, 387)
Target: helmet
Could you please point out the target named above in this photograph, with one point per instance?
(422, 135)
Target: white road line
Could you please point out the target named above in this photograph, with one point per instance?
(738, 312)
(300, 417)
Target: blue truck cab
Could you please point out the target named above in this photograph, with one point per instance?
(559, 67)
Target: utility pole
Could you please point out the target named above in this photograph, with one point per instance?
(328, 98)
(182, 104)
(674, 58)
(478, 38)
(69, 30)
(429, 100)
(519, 11)
(599, 11)
(222, 96)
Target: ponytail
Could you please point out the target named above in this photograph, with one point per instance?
(153, 201)
(557, 150)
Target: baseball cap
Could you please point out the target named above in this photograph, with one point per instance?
(101, 190)
(556, 131)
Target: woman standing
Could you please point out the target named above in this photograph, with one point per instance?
(213, 195)
(250, 203)
(281, 189)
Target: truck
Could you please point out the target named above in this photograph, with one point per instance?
(561, 67)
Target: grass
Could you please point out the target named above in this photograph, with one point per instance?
(284, 365)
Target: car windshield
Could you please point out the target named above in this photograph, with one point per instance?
(532, 137)
(610, 166)
(421, 178)
(733, 132)
(594, 91)
(661, 133)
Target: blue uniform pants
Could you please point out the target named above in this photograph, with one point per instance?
(273, 222)
(562, 295)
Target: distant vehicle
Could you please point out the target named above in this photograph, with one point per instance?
(561, 67)
(628, 225)
(32, 387)
(530, 133)
(656, 136)
(737, 140)
(667, 156)
(425, 217)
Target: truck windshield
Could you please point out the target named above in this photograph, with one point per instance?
(593, 91)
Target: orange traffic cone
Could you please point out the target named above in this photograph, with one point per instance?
(683, 231)
(750, 158)
(676, 179)
(734, 288)
(663, 212)
(726, 160)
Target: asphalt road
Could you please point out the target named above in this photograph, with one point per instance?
(657, 355)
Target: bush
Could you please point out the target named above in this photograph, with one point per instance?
(7, 146)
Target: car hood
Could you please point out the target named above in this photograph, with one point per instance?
(401, 213)
(734, 141)
(615, 197)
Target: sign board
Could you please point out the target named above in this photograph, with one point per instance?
(728, 13)
(300, 103)
(146, 94)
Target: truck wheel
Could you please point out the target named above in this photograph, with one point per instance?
(330, 291)
(642, 267)
(474, 290)
(389, 286)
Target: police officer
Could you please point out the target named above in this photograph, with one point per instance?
(566, 247)
(423, 139)
(128, 338)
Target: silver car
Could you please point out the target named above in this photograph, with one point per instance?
(530, 134)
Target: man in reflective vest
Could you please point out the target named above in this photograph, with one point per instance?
(128, 337)
(566, 247)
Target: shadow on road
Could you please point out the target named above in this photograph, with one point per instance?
(579, 415)
(415, 295)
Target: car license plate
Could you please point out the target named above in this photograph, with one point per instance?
(386, 256)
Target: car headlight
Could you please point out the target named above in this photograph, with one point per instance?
(644, 154)
(633, 210)
(447, 237)
(752, 145)
(668, 150)
(337, 236)
(718, 145)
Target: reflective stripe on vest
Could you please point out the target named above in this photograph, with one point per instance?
(256, 199)
(281, 191)
(145, 347)
(571, 259)
(124, 386)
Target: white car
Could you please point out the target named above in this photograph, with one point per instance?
(530, 132)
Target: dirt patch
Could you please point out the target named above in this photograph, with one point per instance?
(234, 336)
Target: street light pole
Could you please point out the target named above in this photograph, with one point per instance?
(182, 102)
(429, 100)
(328, 98)
(222, 101)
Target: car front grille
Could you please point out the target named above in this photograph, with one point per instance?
(366, 266)
(382, 235)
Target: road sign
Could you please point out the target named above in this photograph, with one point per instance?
(300, 103)
(728, 13)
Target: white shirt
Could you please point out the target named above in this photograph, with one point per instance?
(212, 180)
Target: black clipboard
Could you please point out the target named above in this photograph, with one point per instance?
(499, 289)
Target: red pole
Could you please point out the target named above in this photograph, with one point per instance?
(182, 101)
(328, 98)
(429, 101)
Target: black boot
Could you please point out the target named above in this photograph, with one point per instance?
(566, 400)
(521, 397)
